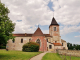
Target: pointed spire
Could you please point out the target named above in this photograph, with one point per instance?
(38, 26)
(38, 32)
(54, 22)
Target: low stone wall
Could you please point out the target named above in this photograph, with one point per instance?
(69, 52)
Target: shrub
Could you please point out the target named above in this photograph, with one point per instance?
(30, 47)
(2, 47)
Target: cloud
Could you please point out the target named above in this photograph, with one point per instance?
(69, 29)
(77, 43)
(67, 13)
(33, 12)
(77, 36)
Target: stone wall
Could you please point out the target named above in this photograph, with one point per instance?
(58, 47)
(56, 34)
(17, 45)
(52, 32)
(65, 45)
(69, 52)
(48, 46)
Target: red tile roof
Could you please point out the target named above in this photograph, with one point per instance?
(18, 34)
(38, 32)
(57, 44)
(29, 35)
(47, 35)
(22, 35)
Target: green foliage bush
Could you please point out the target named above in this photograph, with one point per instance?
(73, 46)
(2, 47)
(31, 47)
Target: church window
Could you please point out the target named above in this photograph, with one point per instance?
(21, 40)
(55, 29)
(50, 46)
(47, 40)
(62, 44)
(13, 40)
(55, 41)
(29, 39)
(38, 41)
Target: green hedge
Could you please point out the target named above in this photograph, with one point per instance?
(2, 47)
(30, 47)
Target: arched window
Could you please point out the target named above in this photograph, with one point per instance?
(38, 41)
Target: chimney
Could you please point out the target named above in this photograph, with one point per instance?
(25, 34)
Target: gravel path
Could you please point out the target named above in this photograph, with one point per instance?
(38, 57)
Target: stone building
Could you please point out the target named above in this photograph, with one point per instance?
(47, 42)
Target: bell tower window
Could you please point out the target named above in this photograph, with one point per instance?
(55, 29)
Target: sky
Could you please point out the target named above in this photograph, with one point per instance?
(28, 14)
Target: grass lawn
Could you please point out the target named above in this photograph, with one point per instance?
(55, 56)
(51, 56)
(72, 58)
(16, 55)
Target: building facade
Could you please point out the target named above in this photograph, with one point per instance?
(47, 42)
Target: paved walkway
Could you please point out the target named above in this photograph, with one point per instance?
(38, 57)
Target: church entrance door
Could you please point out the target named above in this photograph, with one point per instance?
(47, 48)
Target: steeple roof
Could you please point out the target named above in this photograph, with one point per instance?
(38, 32)
(54, 22)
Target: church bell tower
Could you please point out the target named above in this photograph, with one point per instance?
(54, 31)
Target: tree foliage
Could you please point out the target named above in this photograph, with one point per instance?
(73, 46)
(6, 25)
(31, 47)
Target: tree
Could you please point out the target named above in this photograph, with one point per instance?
(6, 25)
(73, 46)
(70, 47)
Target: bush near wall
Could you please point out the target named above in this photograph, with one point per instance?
(2, 47)
(30, 47)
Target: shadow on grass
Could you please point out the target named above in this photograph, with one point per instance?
(4, 56)
(7, 56)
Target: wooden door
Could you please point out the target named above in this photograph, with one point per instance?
(47, 48)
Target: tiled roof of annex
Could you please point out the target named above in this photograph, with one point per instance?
(57, 44)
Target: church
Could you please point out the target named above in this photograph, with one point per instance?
(48, 42)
